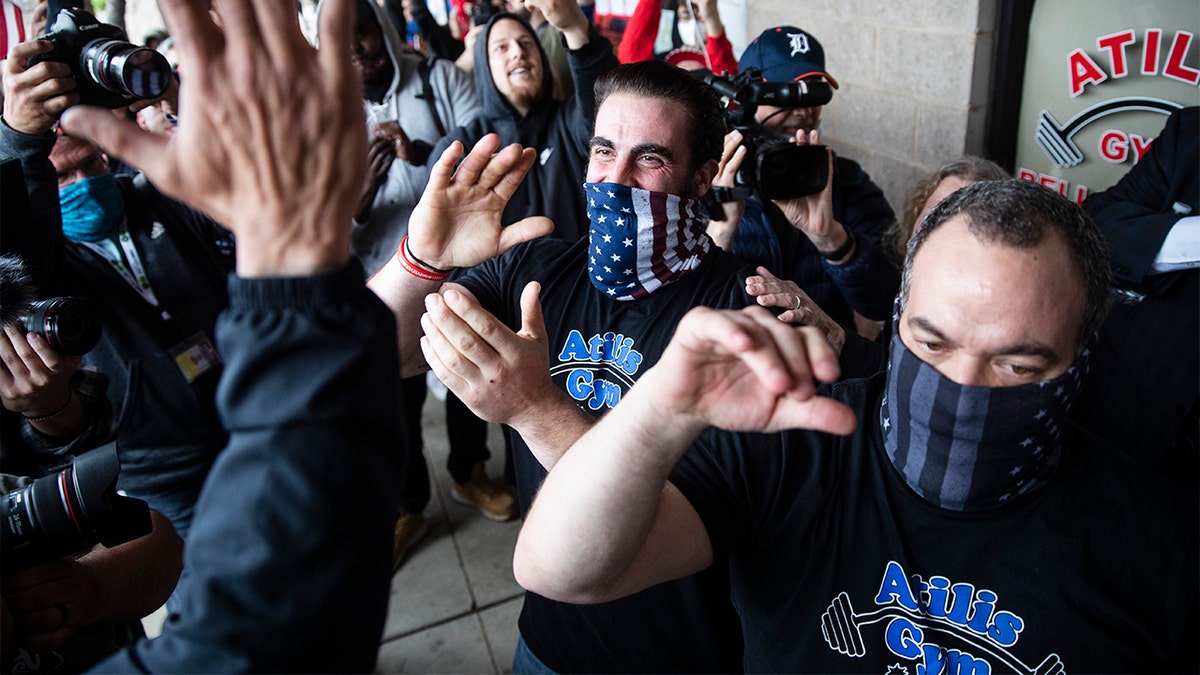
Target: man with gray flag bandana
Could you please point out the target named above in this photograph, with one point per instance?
(943, 516)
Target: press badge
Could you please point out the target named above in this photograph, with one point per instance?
(195, 356)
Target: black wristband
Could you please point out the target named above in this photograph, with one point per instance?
(841, 251)
(56, 413)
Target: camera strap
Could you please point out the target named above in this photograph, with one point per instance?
(130, 268)
(721, 194)
(423, 69)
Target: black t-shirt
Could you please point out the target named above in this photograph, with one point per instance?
(598, 348)
(836, 565)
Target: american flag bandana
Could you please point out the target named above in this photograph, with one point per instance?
(641, 240)
(12, 26)
(969, 448)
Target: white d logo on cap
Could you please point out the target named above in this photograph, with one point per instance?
(799, 43)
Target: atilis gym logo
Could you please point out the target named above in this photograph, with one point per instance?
(934, 625)
(598, 368)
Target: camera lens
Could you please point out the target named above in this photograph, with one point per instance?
(70, 325)
(125, 68)
(69, 511)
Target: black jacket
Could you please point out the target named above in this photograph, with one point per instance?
(289, 560)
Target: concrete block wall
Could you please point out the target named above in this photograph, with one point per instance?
(914, 75)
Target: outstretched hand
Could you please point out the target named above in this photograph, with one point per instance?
(503, 376)
(457, 222)
(270, 138)
(747, 371)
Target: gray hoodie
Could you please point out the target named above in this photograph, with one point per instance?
(454, 99)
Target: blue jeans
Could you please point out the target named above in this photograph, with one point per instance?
(525, 662)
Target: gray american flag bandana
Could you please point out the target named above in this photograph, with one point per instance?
(968, 448)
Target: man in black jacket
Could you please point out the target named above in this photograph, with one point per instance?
(289, 558)
(1143, 394)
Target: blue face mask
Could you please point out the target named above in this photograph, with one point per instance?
(92, 208)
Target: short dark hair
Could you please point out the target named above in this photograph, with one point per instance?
(1022, 214)
(658, 79)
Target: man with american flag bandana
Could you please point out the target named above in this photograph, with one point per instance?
(545, 336)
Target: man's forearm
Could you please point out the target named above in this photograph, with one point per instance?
(552, 427)
(137, 577)
(404, 294)
(606, 523)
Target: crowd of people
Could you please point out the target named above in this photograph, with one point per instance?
(747, 429)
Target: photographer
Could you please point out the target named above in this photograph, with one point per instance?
(70, 613)
(828, 242)
(66, 614)
(52, 408)
(155, 268)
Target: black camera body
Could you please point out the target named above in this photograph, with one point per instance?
(108, 71)
(482, 12)
(70, 511)
(775, 168)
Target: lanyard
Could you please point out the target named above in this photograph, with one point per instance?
(134, 273)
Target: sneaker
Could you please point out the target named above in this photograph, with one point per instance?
(485, 496)
(410, 528)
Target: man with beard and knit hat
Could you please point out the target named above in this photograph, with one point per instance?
(516, 89)
(610, 302)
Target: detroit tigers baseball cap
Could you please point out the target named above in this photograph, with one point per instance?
(786, 54)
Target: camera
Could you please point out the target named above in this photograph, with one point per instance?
(775, 167)
(482, 12)
(70, 511)
(108, 71)
(70, 325)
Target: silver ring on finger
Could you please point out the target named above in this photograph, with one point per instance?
(797, 299)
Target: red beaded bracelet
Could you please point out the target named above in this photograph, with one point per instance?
(417, 267)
